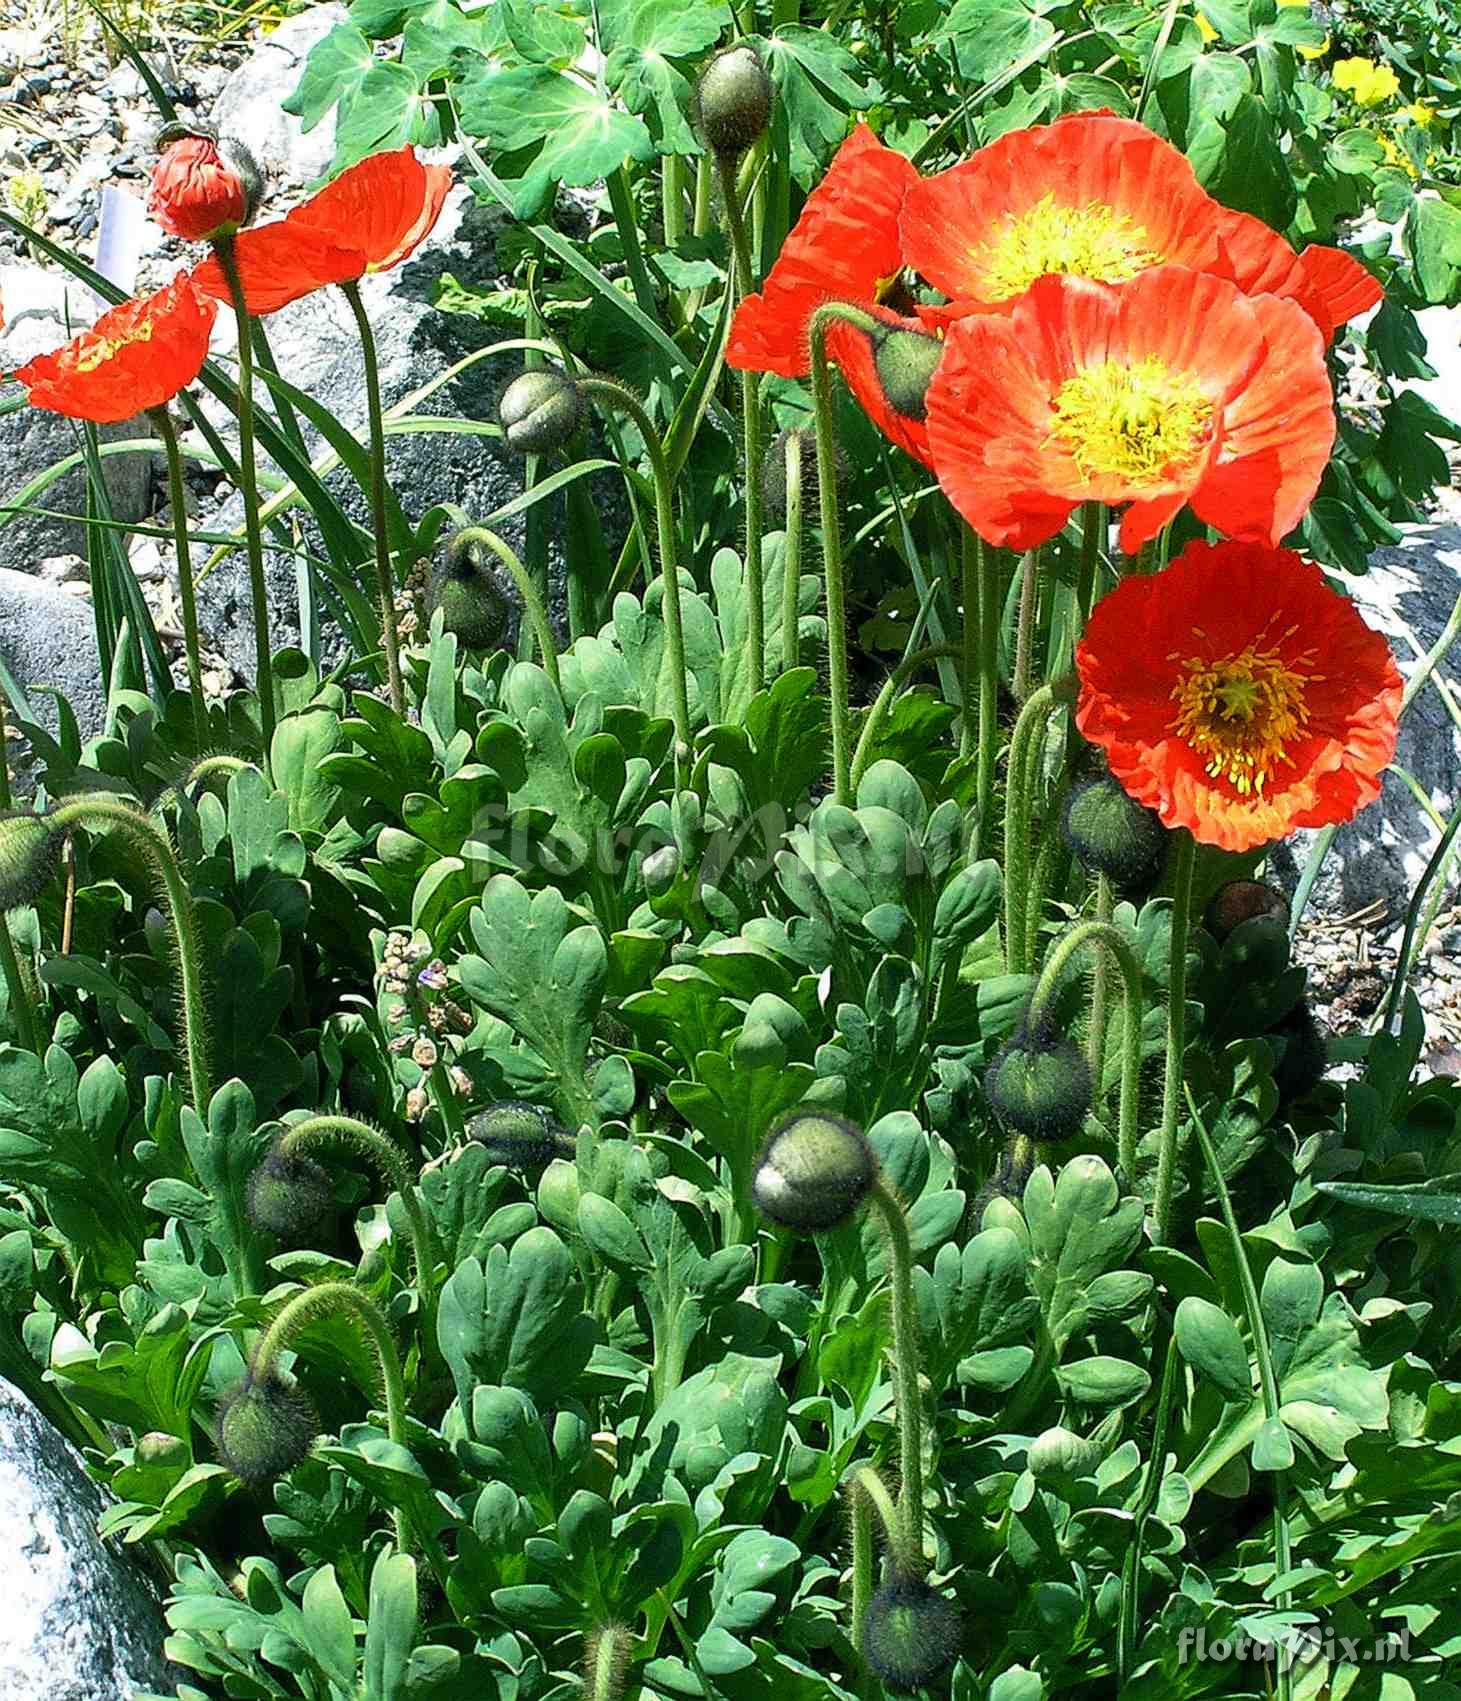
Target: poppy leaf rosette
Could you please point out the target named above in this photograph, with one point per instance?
(1172, 388)
(1101, 197)
(135, 357)
(1238, 696)
(371, 217)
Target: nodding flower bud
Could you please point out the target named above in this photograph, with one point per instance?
(464, 586)
(540, 410)
(814, 1170)
(203, 188)
(906, 362)
(1039, 1084)
(732, 104)
(1305, 1055)
(911, 1634)
(288, 1196)
(520, 1134)
(29, 847)
(1244, 900)
(266, 1426)
(1112, 834)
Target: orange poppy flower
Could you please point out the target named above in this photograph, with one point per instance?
(196, 193)
(373, 216)
(1101, 197)
(844, 247)
(1172, 388)
(136, 357)
(1238, 696)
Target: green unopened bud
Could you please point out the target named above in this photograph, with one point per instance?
(540, 410)
(29, 847)
(1305, 1055)
(521, 1134)
(814, 1170)
(464, 586)
(158, 1448)
(266, 1426)
(1244, 900)
(1060, 1452)
(1112, 834)
(911, 1634)
(906, 362)
(1039, 1085)
(733, 99)
(288, 1196)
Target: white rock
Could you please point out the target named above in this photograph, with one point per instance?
(251, 106)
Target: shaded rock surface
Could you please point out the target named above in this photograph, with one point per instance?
(47, 638)
(79, 1619)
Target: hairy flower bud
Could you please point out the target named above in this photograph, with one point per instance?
(1112, 834)
(464, 586)
(203, 188)
(906, 362)
(540, 410)
(1244, 900)
(814, 1170)
(288, 1196)
(732, 104)
(519, 1134)
(1039, 1084)
(911, 1634)
(29, 847)
(266, 1426)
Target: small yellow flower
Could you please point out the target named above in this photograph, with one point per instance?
(1396, 156)
(1205, 30)
(1422, 113)
(1368, 82)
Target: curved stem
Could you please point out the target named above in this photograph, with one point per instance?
(1113, 945)
(389, 1162)
(1183, 860)
(908, 1546)
(884, 701)
(154, 845)
(1031, 723)
(791, 583)
(867, 1487)
(532, 599)
(384, 578)
(751, 430)
(832, 537)
(248, 480)
(618, 396)
(177, 498)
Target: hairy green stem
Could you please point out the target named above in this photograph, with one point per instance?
(832, 538)
(867, 1488)
(532, 598)
(156, 848)
(862, 1561)
(249, 488)
(1112, 944)
(1100, 985)
(751, 430)
(22, 1008)
(177, 497)
(971, 554)
(1184, 857)
(894, 683)
(617, 395)
(990, 608)
(1029, 730)
(606, 1662)
(791, 583)
(1025, 623)
(909, 1545)
(384, 578)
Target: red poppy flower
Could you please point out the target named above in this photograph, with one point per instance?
(196, 193)
(136, 357)
(373, 216)
(1238, 696)
(1172, 388)
(844, 247)
(1331, 286)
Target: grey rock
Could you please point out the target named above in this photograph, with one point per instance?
(79, 1620)
(47, 639)
(1408, 594)
(251, 105)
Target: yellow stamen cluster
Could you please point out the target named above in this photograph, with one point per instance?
(1133, 422)
(1093, 241)
(101, 351)
(1243, 712)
